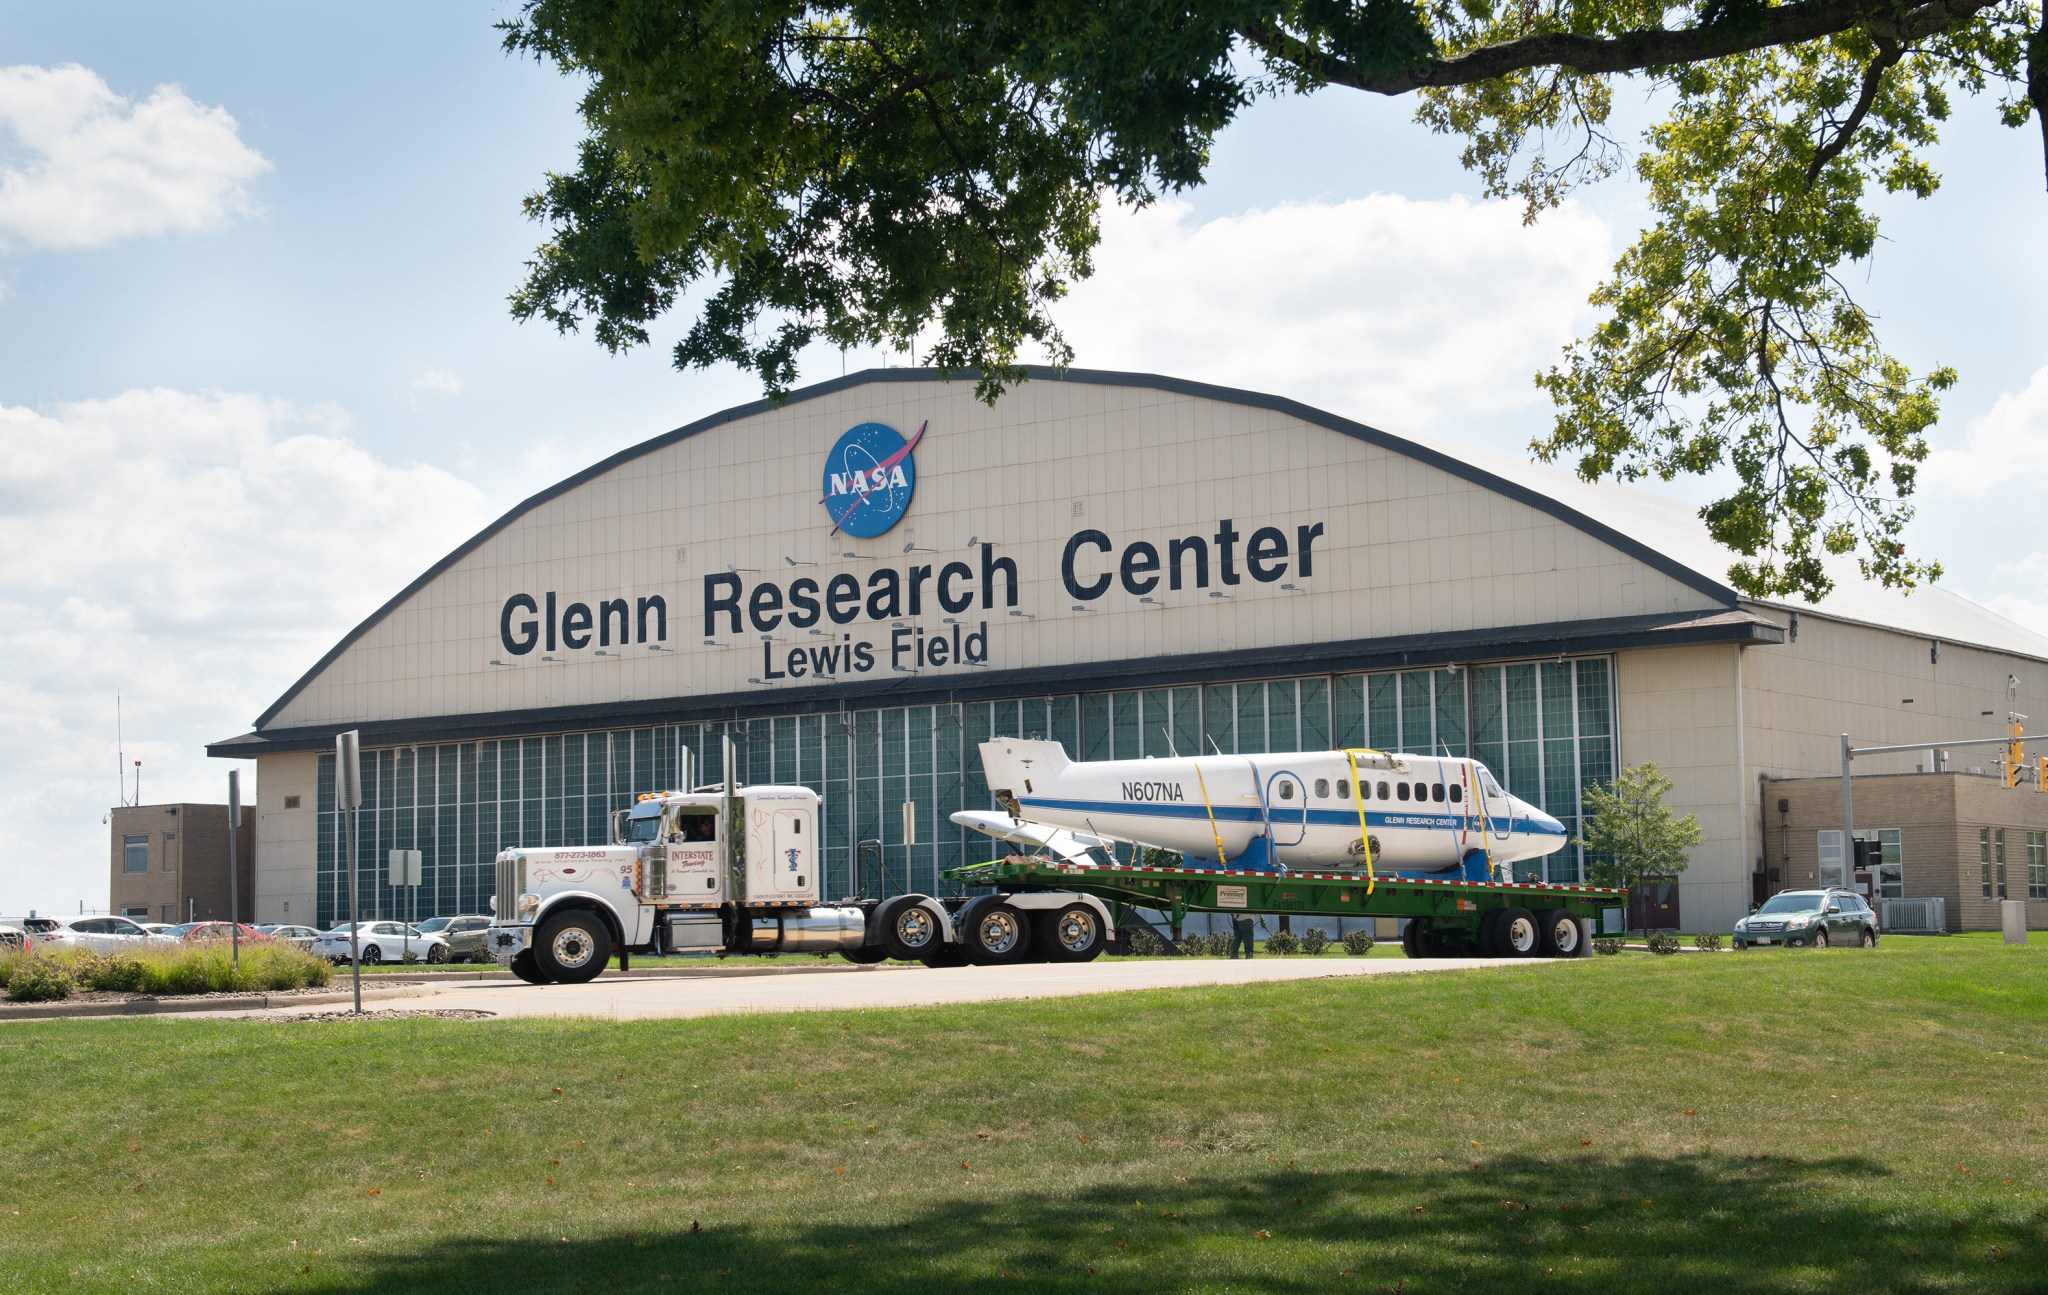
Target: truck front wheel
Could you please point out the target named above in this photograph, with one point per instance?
(573, 947)
(866, 954)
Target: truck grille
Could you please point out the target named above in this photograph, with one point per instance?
(510, 882)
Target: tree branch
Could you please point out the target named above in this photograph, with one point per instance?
(1788, 24)
(1888, 53)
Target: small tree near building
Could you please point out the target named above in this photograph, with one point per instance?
(1631, 836)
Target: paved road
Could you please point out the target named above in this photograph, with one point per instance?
(828, 989)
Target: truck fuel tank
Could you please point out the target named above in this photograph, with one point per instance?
(806, 930)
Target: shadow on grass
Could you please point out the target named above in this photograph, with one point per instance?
(1515, 1225)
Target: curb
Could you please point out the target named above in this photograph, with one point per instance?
(184, 1006)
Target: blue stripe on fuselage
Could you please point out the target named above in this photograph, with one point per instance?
(1318, 817)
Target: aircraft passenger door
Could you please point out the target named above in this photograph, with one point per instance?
(1500, 810)
(1286, 808)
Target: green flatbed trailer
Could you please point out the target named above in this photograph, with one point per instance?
(1450, 918)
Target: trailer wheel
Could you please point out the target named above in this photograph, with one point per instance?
(524, 967)
(996, 935)
(1411, 937)
(1515, 934)
(1563, 937)
(1073, 934)
(866, 955)
(573, 946)
(908, 929)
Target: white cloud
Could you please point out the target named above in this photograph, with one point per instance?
(89, 167)
(1406, 313)
(195, 554)
(2005, 445)
(442, 380)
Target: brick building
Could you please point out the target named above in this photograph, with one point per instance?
(170, 862)
(1964, 838)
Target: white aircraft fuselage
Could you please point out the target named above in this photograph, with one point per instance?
(1302, 811)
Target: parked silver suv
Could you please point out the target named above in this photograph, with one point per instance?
(465, 936)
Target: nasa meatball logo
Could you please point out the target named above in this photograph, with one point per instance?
(869, 478)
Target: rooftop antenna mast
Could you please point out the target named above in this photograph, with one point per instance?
(120, 754)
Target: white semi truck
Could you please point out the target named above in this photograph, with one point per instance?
(738, 870)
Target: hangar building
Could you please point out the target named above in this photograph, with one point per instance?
(863, 582)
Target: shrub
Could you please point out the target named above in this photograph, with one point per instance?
(9, 960)
(38, 980)
(1283, 943)
(1607, 945)
(1314, 941)
(1662, 942)
(1708, 940)
(1140, 940)
(118, 973)
(1358, 943)
(1219, 944)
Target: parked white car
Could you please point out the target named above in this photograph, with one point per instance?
(303, 936)
(101, 934)
(12, 939)
(381, 942)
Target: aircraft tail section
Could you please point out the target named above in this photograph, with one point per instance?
(1021, 767)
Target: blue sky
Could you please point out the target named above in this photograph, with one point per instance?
(244, 402)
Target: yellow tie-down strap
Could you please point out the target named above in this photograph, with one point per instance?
(1204, 784)
(1477, 792)
(1358, 798)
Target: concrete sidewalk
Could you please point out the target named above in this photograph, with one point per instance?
(619, 999)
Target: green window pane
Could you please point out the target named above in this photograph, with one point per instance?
(1315, 714)
(1418, 733)
(1347, 711)
(1251, 718)
(1219, 718)
(1383, 712)
(1596, 697)
(1450, 712)
(1283, 715)
(1521, 705)
(1094, 727)
(1187, 720)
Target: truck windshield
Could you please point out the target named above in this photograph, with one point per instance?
(643, 829)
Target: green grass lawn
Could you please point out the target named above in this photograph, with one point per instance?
(1823, 1121)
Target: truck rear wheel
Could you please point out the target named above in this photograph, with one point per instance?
(573, 947)
(908, 929)
(946, 955)
(1563, 936)
(1516, 934)
(523, 967)
(996, 935)
(1073, 934)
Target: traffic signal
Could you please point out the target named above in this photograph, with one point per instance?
(2015, 754)
(2041, 773)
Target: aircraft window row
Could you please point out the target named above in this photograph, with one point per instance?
(1401, 790)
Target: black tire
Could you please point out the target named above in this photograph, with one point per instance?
(372, 954)
(909, 930)
(1869, 938)
(1487, 922)
(1820, 937)
(946, 955)
(1072, 934)
(995, 934)
(866, 955)
(437, 954)
(573, 946)
(1411, 937)
(524, 967)
(1564, 935)
(1515, 934)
